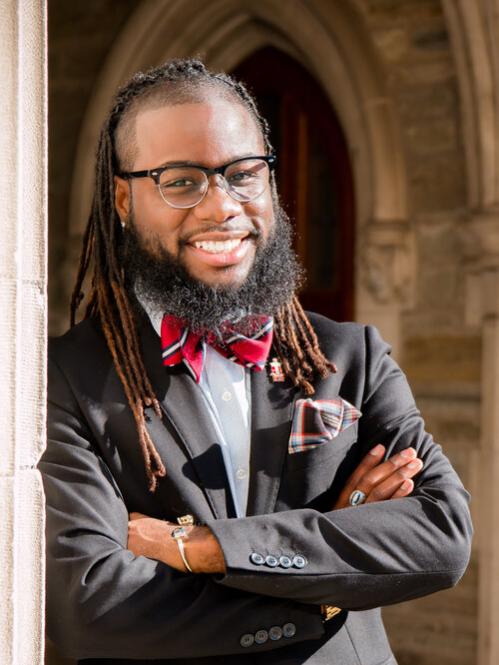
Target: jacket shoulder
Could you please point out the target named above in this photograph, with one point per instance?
(78, 344)
(353, 345)
(334, 332)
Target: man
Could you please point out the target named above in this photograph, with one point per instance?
(197, 392)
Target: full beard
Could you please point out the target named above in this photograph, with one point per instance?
(163, 284)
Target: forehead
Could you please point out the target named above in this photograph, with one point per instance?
(209, 132)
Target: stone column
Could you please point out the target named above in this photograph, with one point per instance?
(387, 252)
(473, 30)
(488, 645)
(22, 328)
(481, 238)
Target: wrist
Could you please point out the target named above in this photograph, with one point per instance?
(204, 552)
(181, 535)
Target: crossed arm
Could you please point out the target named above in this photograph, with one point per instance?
(379, 480)
(379, 553)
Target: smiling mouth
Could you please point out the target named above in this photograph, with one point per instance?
(218, 246)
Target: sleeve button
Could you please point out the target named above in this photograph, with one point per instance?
(261, 636)
(271, 561)
(275, 633)
(285, 562)
(289, 630)
(299, 561)
(256, 558)
(247, 640)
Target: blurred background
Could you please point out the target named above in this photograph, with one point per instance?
(383, 115)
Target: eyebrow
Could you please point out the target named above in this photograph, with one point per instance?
(182, 163)
(191, 163)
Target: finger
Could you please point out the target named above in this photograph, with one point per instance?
(384, 470)
(404, 490)
(371, 460)
(386, 489)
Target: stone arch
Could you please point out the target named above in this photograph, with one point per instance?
(332, 41)
(473, 30)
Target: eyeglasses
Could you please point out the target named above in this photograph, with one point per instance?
(185, 185)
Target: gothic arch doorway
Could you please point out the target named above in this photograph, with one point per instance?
(314, 175)
(332, 40)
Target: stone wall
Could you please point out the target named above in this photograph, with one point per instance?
(439, 354)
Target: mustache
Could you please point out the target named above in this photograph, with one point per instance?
(237, 227)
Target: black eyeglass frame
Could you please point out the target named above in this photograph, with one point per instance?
(155, 174)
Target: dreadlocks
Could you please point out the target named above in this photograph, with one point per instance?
(295, 341)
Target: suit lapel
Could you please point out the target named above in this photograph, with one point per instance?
(271, 413)
(184, 408)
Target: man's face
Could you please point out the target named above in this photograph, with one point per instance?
(210, 134)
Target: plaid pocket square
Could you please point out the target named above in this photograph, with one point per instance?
(317, 421)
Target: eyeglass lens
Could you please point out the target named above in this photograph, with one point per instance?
(185, 186)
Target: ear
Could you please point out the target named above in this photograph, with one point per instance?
(121, 198)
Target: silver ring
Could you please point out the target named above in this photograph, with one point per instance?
(356, 498)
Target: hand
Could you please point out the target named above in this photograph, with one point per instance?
(382, 480)
(151, 537)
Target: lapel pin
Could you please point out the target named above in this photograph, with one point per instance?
(276, 373)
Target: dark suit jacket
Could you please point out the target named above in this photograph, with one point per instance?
(105, 603)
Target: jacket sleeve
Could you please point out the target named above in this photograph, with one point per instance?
(374, 554)
(102, 601)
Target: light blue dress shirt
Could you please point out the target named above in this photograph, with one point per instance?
(226, 388)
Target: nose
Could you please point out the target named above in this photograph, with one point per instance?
(217, 204)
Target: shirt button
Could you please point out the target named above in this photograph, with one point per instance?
(257, 558)
(261, 636)
(299, 561)
(246, 640)
(241, 474)
(226, 396)
(285, 562)
(289, 630)
(271, 561)
(275, 633)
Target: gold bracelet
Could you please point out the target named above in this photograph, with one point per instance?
(178, 534)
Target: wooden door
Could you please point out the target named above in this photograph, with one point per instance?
(313, 174)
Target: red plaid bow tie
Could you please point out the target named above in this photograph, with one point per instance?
(179, 344)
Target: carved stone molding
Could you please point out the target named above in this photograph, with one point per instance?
(480, 240)
(480, 248)
(388, 262)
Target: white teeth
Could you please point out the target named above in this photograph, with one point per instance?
(218, 246)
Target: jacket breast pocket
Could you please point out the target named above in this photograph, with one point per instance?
(308, 476)
(327, 453)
